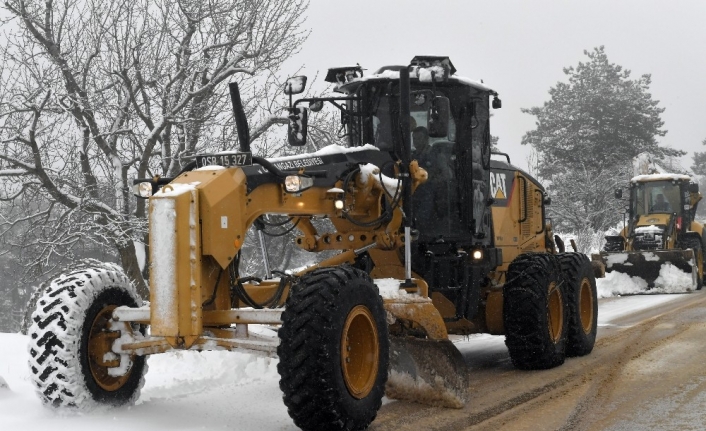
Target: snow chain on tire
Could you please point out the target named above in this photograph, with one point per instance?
(72, 309)
(582, 297)
(535, 312)
(330, 382)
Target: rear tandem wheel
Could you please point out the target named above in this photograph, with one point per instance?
(582, 298)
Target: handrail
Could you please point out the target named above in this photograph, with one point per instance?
(524, 196)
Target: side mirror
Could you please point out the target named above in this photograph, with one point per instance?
(618, 193)
(296, 132)
(439, 117)
(693, 187)
(295, 85)
(547, 200)
(497, 103)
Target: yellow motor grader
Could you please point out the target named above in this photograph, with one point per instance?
(463, 240)
(661, 229)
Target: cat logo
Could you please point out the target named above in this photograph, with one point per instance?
(498, 188)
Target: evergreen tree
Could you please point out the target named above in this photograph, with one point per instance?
(600, 119)
(699, 166)
(586, 136)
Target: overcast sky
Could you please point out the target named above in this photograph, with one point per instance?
(519, 48)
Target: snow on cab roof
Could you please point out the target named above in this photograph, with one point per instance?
(660, 177)
(423, 74)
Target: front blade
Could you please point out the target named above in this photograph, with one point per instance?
(647, 264)
(430, 372)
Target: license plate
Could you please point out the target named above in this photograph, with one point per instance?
(224, 159)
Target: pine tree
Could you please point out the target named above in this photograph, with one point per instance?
(600, 119)
(699, 166)
(586, 136)
(699, 169)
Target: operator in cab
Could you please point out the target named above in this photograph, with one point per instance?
(661, 205)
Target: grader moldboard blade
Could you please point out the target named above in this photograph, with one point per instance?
(430, 372)
(647, 264)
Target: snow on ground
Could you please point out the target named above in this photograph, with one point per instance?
(220, 390)
(184, 391)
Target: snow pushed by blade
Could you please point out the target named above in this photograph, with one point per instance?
(671, 280)
(617, 284)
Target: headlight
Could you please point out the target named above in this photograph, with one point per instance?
(296, 183)
(142, 190)
(477, 254)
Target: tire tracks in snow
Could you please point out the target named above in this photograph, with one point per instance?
(582, 394)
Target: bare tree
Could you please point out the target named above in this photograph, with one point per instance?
(96, 92)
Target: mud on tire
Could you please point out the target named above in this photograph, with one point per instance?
(582, 298)
(330, 383)
(71, 313)
(535, 312)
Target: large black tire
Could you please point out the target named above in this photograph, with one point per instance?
(535, 312)
(694, 243)
(614, 243)
(333, 352)
(71, 318)
(582, 297)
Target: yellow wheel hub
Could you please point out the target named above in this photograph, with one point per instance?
(100, 355)
(555, 312)
(360, 353)
(586, 306)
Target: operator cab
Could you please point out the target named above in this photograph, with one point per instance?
(450, 139)
(449, 133)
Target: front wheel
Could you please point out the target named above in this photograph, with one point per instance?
(535, 312)
(333, 350)
(71, 337)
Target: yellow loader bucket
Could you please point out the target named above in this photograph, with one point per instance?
(430, 372)
(647, 264)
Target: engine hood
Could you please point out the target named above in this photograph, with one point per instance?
(653, 220)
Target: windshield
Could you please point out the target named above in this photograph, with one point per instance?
(419, 121)
(656, 197)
